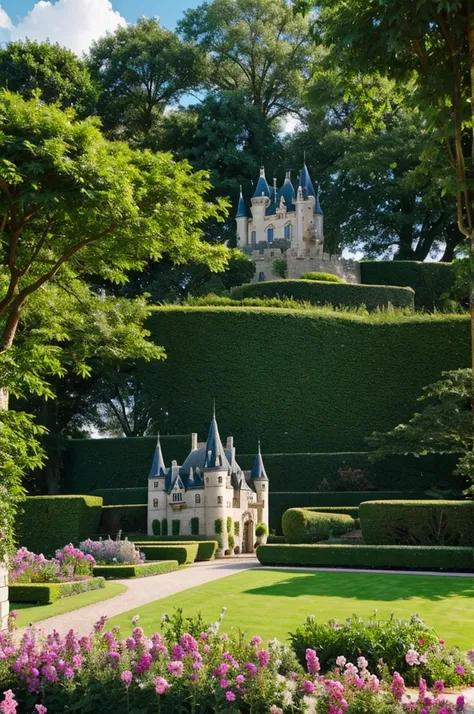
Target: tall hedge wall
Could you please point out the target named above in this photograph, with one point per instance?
(322, 293)
(428, 280)
(302, 380)
(46, 523)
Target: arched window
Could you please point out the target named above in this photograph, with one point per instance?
(220, 500)
(270, 233)
(287, 231)
(197, 498)
(261, 276)
(155, 503)
(253, 238)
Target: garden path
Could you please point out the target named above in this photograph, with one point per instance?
(141, 591)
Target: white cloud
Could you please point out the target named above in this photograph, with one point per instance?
(5, 26)
(290, 123)
(71, 23)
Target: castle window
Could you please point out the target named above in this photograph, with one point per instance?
(261, 276)
(219, 479)
(253, 237)
(207, 479)
(220, 500)
(270, 232)
(263, 487)
(155, 503)
(177, 497)
(287, 232)
(197, 498)
(155, 485)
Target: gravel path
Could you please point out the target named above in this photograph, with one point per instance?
(144, 590)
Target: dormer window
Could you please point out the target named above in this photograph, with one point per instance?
(197, 498)
(177, 497)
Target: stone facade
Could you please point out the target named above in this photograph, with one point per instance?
(4, 606)
(304, 262)
(209, 485)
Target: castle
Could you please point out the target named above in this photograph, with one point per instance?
(294, 216)
(209, 488)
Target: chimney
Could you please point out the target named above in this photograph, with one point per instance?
(194, 441)
(230, 442)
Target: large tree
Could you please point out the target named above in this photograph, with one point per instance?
(53, 72)
(140, 69)
(258, 46)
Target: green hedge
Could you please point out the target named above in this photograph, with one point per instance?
(140, 570)
(418, 522)
(117, 496)
(206, 549)
(325, 277)
(46, 523)
(428, 280)
(352, 511)
(372, 297)
(276, 539)
(401, 557)
(300, 525)
(184, 553)
(128, 519)
(45, 593)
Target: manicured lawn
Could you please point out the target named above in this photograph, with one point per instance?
(272, 603)
(28, 612)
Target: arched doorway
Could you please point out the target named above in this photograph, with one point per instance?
(248, 533)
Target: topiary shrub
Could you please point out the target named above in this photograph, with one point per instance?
(236, 528)
(194, 525)
(175, 527)
(261, 530)
(231, 542)
(324, 277)
(303, 526)
(219, 526)
(156, 527)
(164, 526)
(229, 524)
(418, 522)
(184, 553)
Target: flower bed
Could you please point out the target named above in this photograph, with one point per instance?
(139, 570)
(191, 667)
(112, 552)
(69, 564)
(46, 593)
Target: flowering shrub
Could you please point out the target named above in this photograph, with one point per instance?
(74, 562)
(409, 647)
(108, 552)
(197, 669)
(69, 564)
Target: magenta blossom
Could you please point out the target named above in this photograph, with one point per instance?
(126, 677)
(161, 685)
(230, 696)
(176, 667)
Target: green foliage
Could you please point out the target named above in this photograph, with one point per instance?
(125, 518)
(444, 425)
(194, 525)
(304, 526)
(47, 523)
(164, 526)
(322, 277)
(206, 548)
(119, 496)
(236, 528)
(430, 281)
(45, 593)
(418, 522)
(219, 526)
(349, 295)
(175, 526)
(184, 553)
(387, 640)
(231, 541)
(261, 530)
(280, 268)
(139, 570)
(276, 539)
(229, 524)
(156, 527)
(400, 557)
(367, 357)
(55, 73)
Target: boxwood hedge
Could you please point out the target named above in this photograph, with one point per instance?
(401, 557)
(428, 280)
(418, 522)
(126, 518)
(206, 549)
(184, 553)
(372, 297)
(138, 570)
(300, 525)
(46, 523)
(45, 593)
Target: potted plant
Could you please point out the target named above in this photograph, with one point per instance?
(261, 531)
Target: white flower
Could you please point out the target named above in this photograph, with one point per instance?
(287, 698)
(310, 705)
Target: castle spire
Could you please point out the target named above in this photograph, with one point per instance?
(241, 210)
(215, 454)
(262, 188)
(158, 468)
(258, 469)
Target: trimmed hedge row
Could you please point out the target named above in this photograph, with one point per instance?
(183, 553)
(138, 570)
(46, 523)
(126, 518)
(206, 549)
(136, 496)
(45, 593)
(401, 557)
(428, 280)
(325, 293)
(300, 525)
(352, 511)
(418, 522)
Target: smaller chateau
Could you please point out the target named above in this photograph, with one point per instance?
(206, 490)
(293, 215)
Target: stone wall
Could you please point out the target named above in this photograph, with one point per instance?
(305, 261)
(3, 598)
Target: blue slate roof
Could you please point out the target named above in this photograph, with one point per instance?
(289, 194)
(158, 468)
(215, 456)
(262, 187)
(306, 183)
(241, 210)
(317, 206)
(258, 469)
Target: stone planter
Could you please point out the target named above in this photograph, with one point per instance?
(4, 606)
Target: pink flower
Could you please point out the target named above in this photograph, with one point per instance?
(161, 685)
(255, 640)
(240, 679)
(9, 705)
(341, 661)
(176, 668)
(206, 649)
(460, 702)
(251, 669)
(460, 669)
(126, 677)
(312, 661)
(412, 657)
(230, 696)
(398, 686)
(308, 687)
(438, 686)
(470, 655)
(263, 658)
(224, 683)
(362, 663)
(441, 642)
(40, 709)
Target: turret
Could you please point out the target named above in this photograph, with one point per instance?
(215, 471)
(241, 220)
(318, 217)
(261, 200)
(157, 488)
(260, 483)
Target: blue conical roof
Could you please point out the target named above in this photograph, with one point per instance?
(306, 183)
(241, 210)
(158, 468)
(288, 193)
(215, 453)
(317, 205)
(262, 188)
(258, 469)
